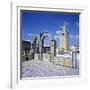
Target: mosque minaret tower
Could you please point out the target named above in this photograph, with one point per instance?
(64, 38)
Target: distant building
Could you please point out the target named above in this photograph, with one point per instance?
(26, 47)
(74, 48)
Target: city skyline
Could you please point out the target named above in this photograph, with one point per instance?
(35, 22)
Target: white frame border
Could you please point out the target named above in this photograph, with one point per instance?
(15, 35)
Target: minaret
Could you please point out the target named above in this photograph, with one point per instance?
(64, 39)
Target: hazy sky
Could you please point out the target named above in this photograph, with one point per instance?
(34, 23)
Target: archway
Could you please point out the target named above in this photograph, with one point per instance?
(51, 49)
(46, 43)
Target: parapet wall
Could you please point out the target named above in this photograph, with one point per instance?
(63, 61)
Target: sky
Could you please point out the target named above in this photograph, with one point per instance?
(35, 22)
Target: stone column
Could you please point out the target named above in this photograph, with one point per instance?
(40, 50)
(23, 55)
(34, 45)
(32, 51)
(36, 51)
(52, 50)
(74, 59)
